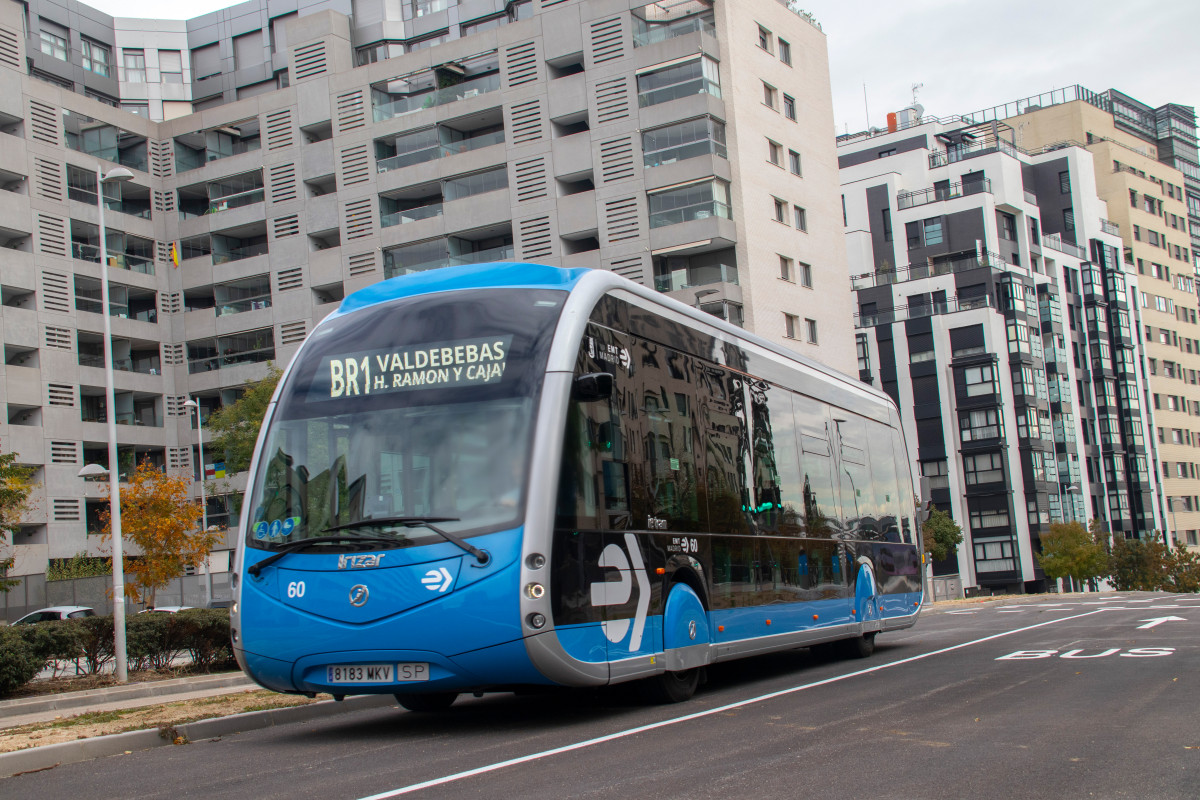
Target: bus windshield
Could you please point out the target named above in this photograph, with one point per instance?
(416, 409)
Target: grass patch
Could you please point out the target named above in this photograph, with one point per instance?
(88, 718)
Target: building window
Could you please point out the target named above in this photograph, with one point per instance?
(1064, 182)
(135, 66)
(983, 468)
(977, 425)
(764, 38)
(774, 152)
(864, 353)
(170, 66)
(769, 93)
(979, 381)
(683, 140)
(95, 57)
(932, 231)
(785, 52)
(1008, 227)
(140, 109)
(780, 210)
(785, 268)
(1069, 219)
(887, 224)
(805, 275)
(789, 107)
(686, 203)
(698, 76)
(791, 326)
(801, 218)
(810, 327)
(794, 163)
(54, 45)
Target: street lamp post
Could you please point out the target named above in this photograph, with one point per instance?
(203, 498)
(115, 175)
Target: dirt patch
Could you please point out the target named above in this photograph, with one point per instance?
(164, 717)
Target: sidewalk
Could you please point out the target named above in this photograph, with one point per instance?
(46, 708)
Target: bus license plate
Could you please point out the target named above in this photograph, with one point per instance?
(377, 673)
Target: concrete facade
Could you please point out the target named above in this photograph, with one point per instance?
(326, 152)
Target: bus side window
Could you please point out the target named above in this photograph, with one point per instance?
(820, 508)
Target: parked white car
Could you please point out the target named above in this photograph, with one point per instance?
(55, 613)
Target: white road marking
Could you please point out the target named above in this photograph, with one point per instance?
(470, 773)
(1152, 623)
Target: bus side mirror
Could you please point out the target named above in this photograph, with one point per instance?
(592, 386)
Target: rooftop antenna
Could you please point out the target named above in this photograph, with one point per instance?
(866, 108)
(916, 87)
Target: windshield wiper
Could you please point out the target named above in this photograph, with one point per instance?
(417, 522)
(299, 544)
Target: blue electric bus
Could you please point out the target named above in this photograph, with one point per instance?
(510, 475)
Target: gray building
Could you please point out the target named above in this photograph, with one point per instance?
(995, 307)
(288, 154)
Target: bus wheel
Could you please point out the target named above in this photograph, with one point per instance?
(439, 701)
(858, 647)
(671, 687)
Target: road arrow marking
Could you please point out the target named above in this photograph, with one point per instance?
(437, 576)
(1150, 623)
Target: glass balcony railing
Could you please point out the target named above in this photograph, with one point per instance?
(439, 151)
(133, 208)
(646, 33)
(410, 215)
(675, 216)
(938, 193)
(238, 306)
(670, 155)
(698, 276)
(230, 359)
(235, 201)
(239, 253)
(437, 97)
(675, 91)
(91, 252)
(504, 253)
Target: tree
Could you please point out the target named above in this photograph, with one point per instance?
(942, 535)
(1184, 567)
(1070, 550)
(16, 485)
(159, 517)
(234, 428)
(1139, 564)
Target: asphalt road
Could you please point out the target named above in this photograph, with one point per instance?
(1080, 699)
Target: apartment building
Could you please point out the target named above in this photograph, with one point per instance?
(685, 146)
(1145, 165)
(995, 308)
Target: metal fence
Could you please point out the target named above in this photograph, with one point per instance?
(34, 592)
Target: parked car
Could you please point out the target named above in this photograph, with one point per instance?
(163, 609)
(55, 613)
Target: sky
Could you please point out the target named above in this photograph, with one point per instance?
(968, 56)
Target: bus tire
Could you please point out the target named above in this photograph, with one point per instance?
(671, 687)
(422, 703)
(858, 647)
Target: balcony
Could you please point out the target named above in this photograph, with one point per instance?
(902, 313)
(239, 253)
(90, 252)
(436, 151)
(407, 104)
(425, 256)
(410, 215)
(652, 31)
(1054, 242)
(695, 277)
(940, 266)
(939, 193)
(1110, 227)
(962, 152)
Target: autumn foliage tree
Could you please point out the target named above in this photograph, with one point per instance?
(160, 519)
(15, 488)
(1069, 550)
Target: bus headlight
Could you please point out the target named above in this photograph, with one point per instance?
(535, 561)
(534, 591)
(536, 620)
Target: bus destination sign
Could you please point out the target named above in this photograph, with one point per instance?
(463, 362)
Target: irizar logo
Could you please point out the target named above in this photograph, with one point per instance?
(358, 562)
(616, 593)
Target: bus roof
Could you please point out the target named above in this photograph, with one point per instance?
(504, 274)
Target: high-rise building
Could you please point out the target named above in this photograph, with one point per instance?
(995, 308)
(1146, 172)
(285, 158)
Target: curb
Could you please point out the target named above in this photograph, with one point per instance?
(35, 759)
(109, 694)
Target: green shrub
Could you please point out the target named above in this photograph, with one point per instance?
(53, 641)
(205, 634)
(95, 641)
(19, 663)
(152, 641)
